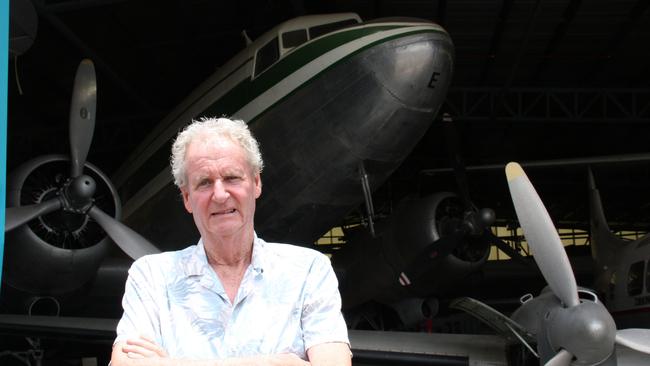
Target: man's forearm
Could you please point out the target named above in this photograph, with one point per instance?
(330, 354)
(143, 357)
(271, 360)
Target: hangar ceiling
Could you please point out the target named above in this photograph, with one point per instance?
(534, 80)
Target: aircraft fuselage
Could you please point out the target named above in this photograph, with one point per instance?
(363, 94)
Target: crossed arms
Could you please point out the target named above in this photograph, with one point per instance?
(144, 352)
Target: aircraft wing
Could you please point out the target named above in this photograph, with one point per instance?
(52, 326)
(506, 327)
(367, 346)
(383, 347)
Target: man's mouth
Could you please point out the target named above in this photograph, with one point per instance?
(224, 212)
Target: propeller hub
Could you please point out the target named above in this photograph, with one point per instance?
(59, 223)
(487, 217)
(474, 223)
(79, 194)
(586, 330)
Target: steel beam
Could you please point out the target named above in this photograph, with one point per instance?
(473, 104)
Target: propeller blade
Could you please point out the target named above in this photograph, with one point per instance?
(504, 247)
(128, 240)
(562, 358)
(82, 115)
(636, 339)
(542, 237)
(16, 216)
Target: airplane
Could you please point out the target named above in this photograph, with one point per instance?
(337, 104)
(568, 324)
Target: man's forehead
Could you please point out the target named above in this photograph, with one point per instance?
(214, 150)
(214, 142)
(223, 169)
(209, 165)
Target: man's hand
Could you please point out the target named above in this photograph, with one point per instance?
(134, 352)
(143, 347)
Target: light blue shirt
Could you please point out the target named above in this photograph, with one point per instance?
(288, 301)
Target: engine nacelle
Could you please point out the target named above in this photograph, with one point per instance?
(54, 255)
(372, 267)
(413, 311)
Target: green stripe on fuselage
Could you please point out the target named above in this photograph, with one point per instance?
(248, 89)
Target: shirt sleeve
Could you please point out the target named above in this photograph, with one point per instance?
(141, 311)
(321, 319)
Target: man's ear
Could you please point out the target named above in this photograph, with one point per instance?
(258, 185)
(186, 199)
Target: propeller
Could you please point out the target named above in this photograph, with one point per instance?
(465, 231)
(475, 223)
(573, 329)
(76, 193)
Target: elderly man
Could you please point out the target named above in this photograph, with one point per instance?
(231, 299)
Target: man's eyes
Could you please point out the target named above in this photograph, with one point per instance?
(204, 182)
(232, 178)
(227, 179)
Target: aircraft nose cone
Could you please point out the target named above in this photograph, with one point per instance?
(416, 70)
(397, 90)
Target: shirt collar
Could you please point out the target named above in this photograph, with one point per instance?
(257, 258)
(196, 263)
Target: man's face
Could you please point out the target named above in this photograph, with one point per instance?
(221, 188)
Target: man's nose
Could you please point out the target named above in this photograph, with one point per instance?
(220, 194)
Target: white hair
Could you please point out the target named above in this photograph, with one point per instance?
(214, 129)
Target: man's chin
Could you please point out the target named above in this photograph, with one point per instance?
(226, 228)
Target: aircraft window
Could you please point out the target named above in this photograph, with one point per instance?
(319, 30)
(294, 38)
(635, 279)
(266, 56)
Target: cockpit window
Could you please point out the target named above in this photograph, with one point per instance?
(319, 30)
(635, 279)
(294, 38)
(266, 56)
